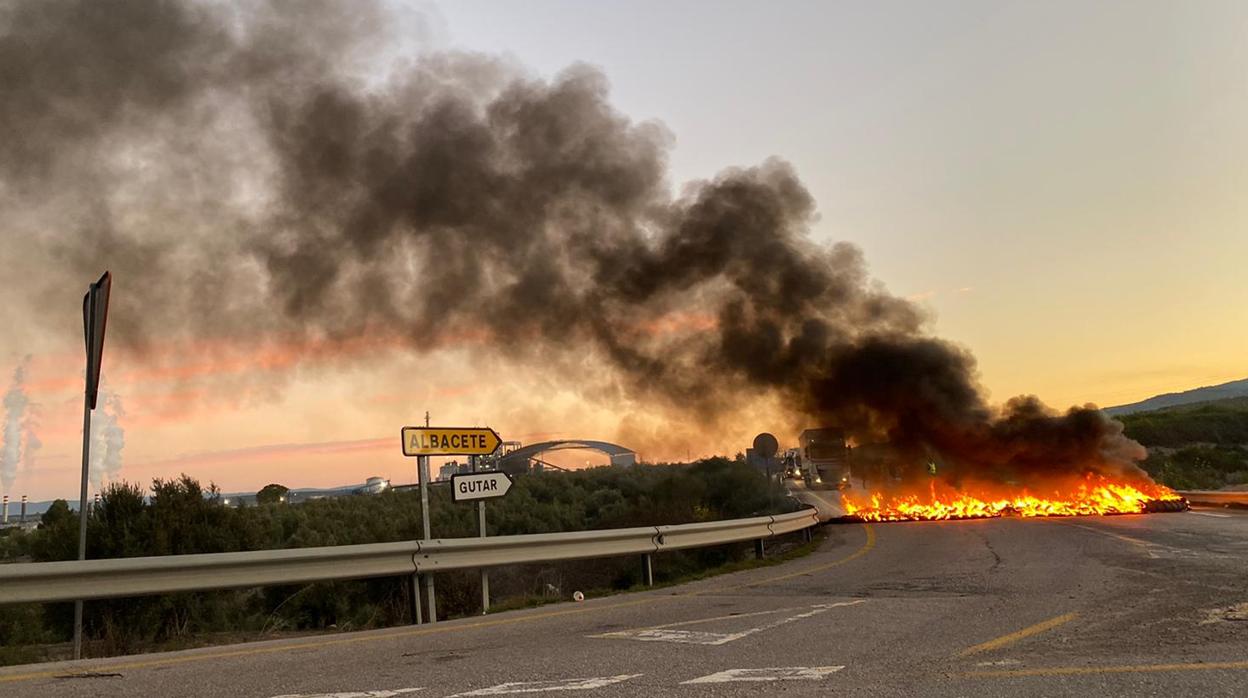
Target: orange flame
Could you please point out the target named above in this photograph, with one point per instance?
(1094, 495)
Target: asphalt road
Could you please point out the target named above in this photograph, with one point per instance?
(826, 502)
(1130, 605)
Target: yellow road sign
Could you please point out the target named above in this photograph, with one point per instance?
(449, 441)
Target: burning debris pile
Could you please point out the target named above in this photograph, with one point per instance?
(1094, 495)
(278, 160)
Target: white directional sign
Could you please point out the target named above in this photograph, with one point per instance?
(472, 486)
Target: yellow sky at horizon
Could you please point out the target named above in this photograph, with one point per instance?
(294, 435)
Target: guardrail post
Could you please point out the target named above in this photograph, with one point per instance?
(413, 599)
(433, 603)
(760, 549)
(647, 570)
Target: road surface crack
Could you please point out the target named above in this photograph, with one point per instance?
(996, 558)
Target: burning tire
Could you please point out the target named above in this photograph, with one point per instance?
(1156, 506)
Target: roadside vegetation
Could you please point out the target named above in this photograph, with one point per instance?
(181, 516)
(1195, 447)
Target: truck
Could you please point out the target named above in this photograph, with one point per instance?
(824, 458)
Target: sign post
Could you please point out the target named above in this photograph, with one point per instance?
(485, 573)
(766, 446)
(422, 442)
(94, 318)
(423, 463)
(478, 487)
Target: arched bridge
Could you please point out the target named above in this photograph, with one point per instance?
(518, 460)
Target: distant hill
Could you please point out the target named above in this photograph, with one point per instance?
(1208, 393)
(36, 509)
(1196, 446)
(1217, 422)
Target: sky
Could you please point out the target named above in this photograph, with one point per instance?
(1058, 185)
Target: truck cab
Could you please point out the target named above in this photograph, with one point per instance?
(824, 458)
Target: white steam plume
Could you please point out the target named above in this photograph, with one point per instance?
(108, 438)
(19, 443)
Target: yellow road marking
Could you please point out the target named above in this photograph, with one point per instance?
(1019, 635)
(1126, 669)
(425, 630)
(866, 548)
(1119, 536)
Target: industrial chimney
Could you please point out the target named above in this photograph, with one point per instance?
(23, 518)
(6, 509)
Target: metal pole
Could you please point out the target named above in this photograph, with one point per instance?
(760, 549)
(647, 570)
(82, 515)
(771, 487)
(423, 467)
(485, 574)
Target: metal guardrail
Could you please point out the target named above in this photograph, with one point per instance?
(1215, 497)
(138, 576)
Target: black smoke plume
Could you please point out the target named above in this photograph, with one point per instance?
(284, 169)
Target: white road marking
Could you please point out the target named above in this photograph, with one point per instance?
(729, 616)
(667, 633)
(1206, 513)
(539, 686)
(999, 662)
(683, 637)
(789, 673)
(354, 694)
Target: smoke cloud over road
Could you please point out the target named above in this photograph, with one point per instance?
(276, 171)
